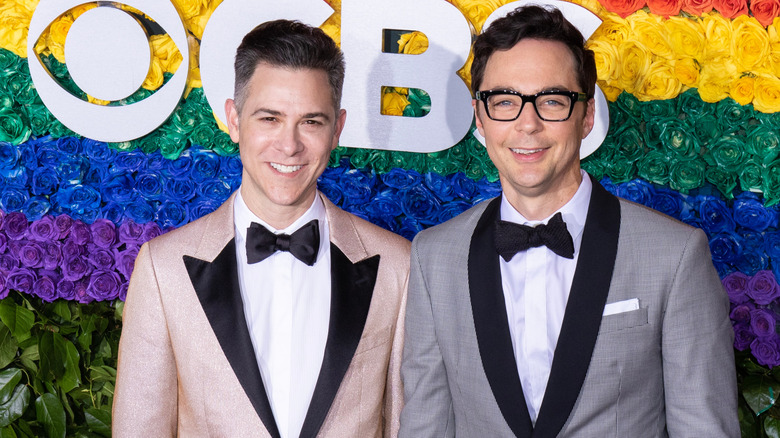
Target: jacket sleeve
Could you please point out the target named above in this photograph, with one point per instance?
(394, 395)
(145, 397)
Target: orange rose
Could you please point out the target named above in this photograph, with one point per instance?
(765, 11)
(624, 8)
(664, 8)
(731, 8)
(697, 7)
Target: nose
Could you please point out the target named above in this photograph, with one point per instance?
(289, 140)
(528, 120)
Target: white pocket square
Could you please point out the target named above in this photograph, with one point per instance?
(621, 306)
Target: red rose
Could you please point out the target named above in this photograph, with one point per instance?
(664, 8)
(765, 11)
(697, 7)
(731, 8)
(624, 8)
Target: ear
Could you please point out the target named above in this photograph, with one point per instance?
(341, 119)
(232, 119)
(475, 105)
(588, 120)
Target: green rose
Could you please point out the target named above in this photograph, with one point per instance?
(630, 106)
(687, 174)
(771, 186)
(706, 128)
(653, 133)
(360, 158)
(139, 95)
(691, 106)
(8, 62)
(224, 146)
(381, 160)
(487, 169)
(12, 128)
(732, 115)
(150, 142)
(28, 95)
(654, 167)
(728, 152)
(6, 101)
(595, 165)
(441, 163)
(419, 103)
(763, 142)
(620, 168)
(414, 160)
(124, 146)
(675, 138)
(724, 180)
(335, 156)
(630, 143)
(39, 118)
(14, 84)
(654, 109)
(751, 176)
(58, 130)
(203, 135)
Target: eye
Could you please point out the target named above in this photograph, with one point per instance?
(114, 64)
(553, 101)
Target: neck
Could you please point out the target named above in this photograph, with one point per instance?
(278, 216)
(539, 206)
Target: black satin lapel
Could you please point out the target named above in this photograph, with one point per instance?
(217, 287)
(491, 324)
(352, 286)
(582, 318)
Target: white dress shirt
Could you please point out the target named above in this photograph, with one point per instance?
(536, 287)
(287, 308)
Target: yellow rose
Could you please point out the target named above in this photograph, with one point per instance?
(413, 43)
(610, 92)
(332, 28)
(773, 31)
(717, 33)
(685, 36)
(607, 60)
(13, 36)
(741, 89)
(687, 71)
(55, 39)
(592, 5)
(97, 101)
(154, 79)
(659, 83)
(197, 23)
(80, 9)
(165, 50)
(613, 29)
(749, 44)
(335, 4)
(649, 30)
(767, 94)
(393, 102)
(774, 59)
(715, 79)
(193, 78)
(636, 61)
(188, 8)
(476, 11)
(465, 71)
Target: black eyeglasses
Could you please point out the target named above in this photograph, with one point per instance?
(550, 106)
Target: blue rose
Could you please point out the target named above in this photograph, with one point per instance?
(205, 164)
(171, 214)
(609, 185)
(9, 159)
(45, 181)
(149, 185)
(69, 145)
(385, 205)
(215, 189)
(182, 189)
(156, 163)
(139, 211)
(12, 199)
(97, 174)
(120, 189)
(231, 166)
(113, 212)
(98, 151)
(36, 207)
(77, 199)
(329, 186)
(401, 179)
(72, 169)
(486, 190)
(772, 244)
(725, 247)
(180, 166)
(409, 228)
(357, 186)
(463, 186)
(28, 159)
(715, 216)
(667, 201)
(201, 207)
(420, 203)
(440, 186)
(452, 209)
(751, 214)
(48, 154)
(130, 161)
(636, 190)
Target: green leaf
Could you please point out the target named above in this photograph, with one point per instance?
(18, 319)
(51, 361)
(72, 377)
(99, 421)
(120, 306)
(14, 408)
(760, 392)
(8, 347)
(9, 378)
(102, 373)
(29, 357)
(7, 432)
(772, 427)
(49, 411)
(62, 309)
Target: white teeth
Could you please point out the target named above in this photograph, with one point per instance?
(285, 169)
(525, 152)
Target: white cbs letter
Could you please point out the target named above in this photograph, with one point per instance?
(226, 28)
(434, 71)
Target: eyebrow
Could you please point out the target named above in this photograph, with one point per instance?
(548, 88)
(312, 115)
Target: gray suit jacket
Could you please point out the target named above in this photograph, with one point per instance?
(666, 369)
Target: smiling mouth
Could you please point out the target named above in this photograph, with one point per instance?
(285, 169)
(526, 151)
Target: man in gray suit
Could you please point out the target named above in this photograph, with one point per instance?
(558, 309)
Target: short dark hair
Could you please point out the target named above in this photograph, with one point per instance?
(289, 44)
(534, 22)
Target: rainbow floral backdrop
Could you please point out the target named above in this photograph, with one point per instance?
(694, 93)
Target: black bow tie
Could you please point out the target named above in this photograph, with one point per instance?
(512, 238)
(303, 244)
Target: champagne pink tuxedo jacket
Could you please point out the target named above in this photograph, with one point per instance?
(186, 362)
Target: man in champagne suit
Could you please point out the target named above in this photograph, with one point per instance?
(558, 309)
(278, 315)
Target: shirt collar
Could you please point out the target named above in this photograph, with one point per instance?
(574, 212)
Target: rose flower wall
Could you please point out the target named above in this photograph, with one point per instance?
(694, 94)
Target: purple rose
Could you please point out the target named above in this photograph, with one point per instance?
(125, 262)
(103, 233)
(763, 288)
(21, 279)
(763, 323)
(8, 263)
(741, 313)
(3, 242)
(80, 233)
(101, 258)
(15, 225)
(766, 351)
(31, 255)
(151, 230)
(63, 224)
(123, 291)
(75, 268)
(742, 336)
(2, 218)
(52, 255)
(71, 249)
(131, 233)
(66, 289)
(104, 285)
(80, 291)
(43, 229)
(45, 289)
